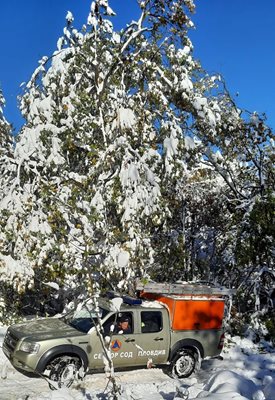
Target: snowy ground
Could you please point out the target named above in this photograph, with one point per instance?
(244, 373)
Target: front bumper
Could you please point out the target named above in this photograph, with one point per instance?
(18, 362)
(19, 359)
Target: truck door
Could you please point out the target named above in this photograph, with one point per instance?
(153, 339)
(123, 349)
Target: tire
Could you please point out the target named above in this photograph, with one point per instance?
(183, 364)
(63, 370)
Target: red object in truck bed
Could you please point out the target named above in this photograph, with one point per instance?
(189, 312)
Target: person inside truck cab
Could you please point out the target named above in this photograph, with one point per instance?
(123, 325)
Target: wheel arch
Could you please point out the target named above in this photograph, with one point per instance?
(191, 344)
(61, 350)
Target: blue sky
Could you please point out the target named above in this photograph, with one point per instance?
(233, 37)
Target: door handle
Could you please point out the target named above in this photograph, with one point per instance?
(158, 339)
(129, 340)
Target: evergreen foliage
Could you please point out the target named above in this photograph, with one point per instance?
(134, 161)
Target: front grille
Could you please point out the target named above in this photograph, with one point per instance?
(10, 341)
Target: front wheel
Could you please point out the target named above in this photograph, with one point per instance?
(62, 370)
(183, 364)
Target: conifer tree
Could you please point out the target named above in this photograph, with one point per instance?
(132, 156)
(100, 144)
(11, 270)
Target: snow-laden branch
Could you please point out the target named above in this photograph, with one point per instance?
(166, 80)
(135, 34)
(224, 174)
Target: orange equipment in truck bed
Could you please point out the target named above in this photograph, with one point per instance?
(192, 307)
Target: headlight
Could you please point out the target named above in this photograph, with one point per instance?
(30, 347)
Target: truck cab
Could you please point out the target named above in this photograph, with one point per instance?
(149, 337)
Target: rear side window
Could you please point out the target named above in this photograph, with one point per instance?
(151, 321)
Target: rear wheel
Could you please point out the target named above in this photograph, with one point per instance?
(62, 370)
(183, 364)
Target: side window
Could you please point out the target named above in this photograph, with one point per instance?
(123, 323)
(151, 321)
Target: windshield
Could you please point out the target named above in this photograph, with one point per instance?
(85, 318)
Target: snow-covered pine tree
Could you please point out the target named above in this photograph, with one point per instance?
(98, 138)
(243, 158)
(9, 267)
(109, 132)
(33, 202)
(127, 158)
(251, 199)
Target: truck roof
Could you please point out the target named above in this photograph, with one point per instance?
(130, 303)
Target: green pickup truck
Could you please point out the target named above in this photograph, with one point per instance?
(159, 332)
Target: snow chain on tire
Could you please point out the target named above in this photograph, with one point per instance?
(183, 364)
(62, 371)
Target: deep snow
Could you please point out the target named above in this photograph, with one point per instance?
(244, 373)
